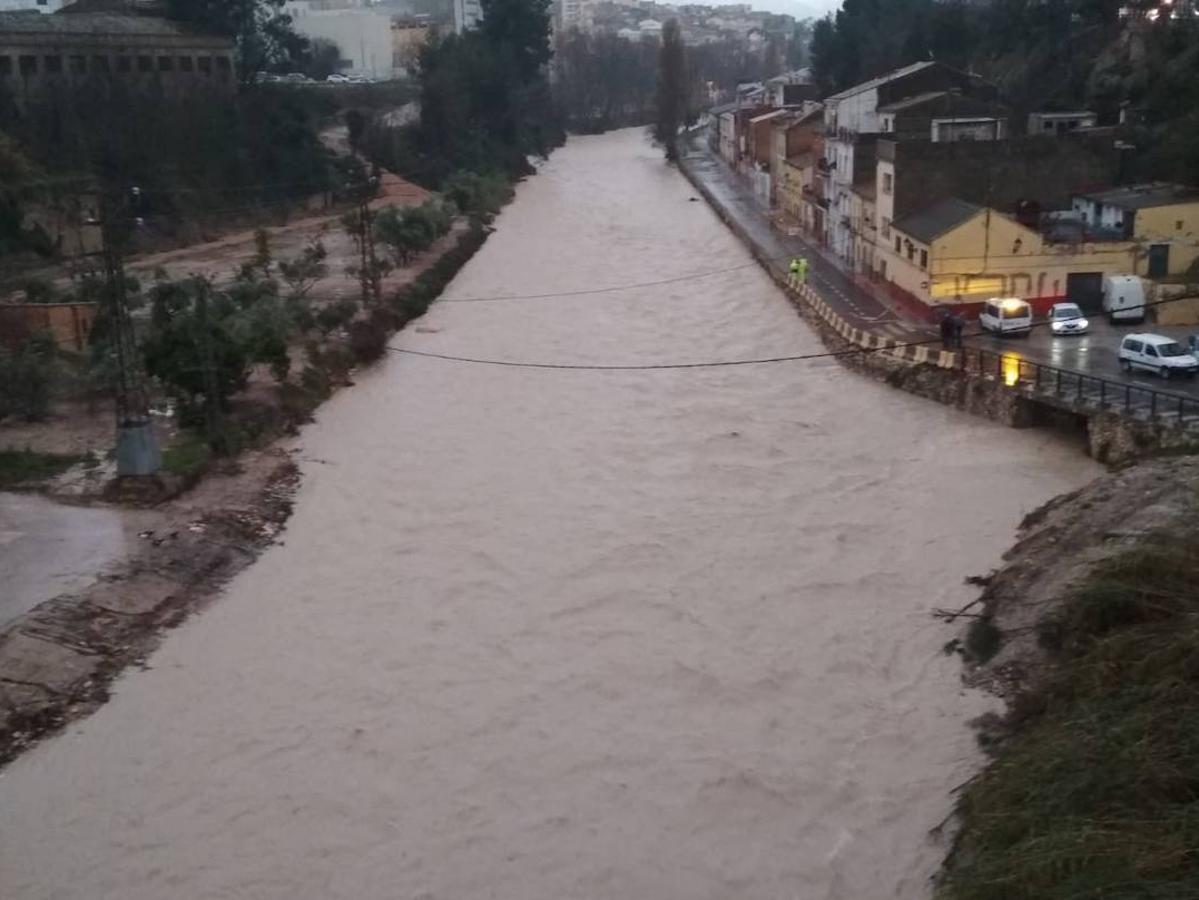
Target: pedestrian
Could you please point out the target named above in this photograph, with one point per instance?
(803, 270)
(795, 267)
(959, 325)
(946, 331)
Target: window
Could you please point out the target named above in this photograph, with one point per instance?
(896, 243)
(205, 64)
(882, 268)
(53, 64)
(1048, 126)
(124, 63)
(1132, 346)
(924, 259)
(77, 63)
(185, 64)
(28, 65)
(145, 64)
(166, 64)
(100, 64)
(5, 66)
(1178, 225)
(1150, 350)
(888, 181)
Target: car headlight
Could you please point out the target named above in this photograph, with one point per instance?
(1055, 326)
(1083, 323)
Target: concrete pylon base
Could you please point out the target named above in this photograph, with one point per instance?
(137, 449)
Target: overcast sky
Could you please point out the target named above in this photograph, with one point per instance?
(801, 9)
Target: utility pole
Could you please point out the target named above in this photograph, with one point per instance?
(138, 454)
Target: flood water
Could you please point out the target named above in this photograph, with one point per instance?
(539, 634)
(47, 549)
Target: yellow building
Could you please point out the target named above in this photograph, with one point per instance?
(795, 172)
(955, 253)
(1162, 218)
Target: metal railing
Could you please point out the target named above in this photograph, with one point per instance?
(1078, 390)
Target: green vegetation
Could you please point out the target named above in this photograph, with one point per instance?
(188, 457)
(26, 378)
(409, 230)
(1096, 793)
(22, 467)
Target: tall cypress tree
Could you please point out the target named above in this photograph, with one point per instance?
(672, 90)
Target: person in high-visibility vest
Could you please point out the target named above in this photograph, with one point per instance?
(803, 270)
(795, 266)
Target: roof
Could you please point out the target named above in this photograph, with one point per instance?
(893, 75)
(773, 114)
(1145, 196)
(909, 102)
(91, 24)
(1063, 115)
(801, 160)
(933, 221)
(723, 108)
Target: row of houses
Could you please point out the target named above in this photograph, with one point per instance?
(917, 181)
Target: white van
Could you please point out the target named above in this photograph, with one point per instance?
(1124, 298)
(1006, 315)
(1157, 353)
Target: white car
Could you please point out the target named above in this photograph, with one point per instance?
(1067, 318)
(337, 78)
(1006, 315)
(1157, 353)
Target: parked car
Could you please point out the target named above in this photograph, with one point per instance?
(1067, 318)
(1157, 353)
(1006, 315)
(1124, 298)
(338, 78)
(296, 78)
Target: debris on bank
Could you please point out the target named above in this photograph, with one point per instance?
(1090, 631)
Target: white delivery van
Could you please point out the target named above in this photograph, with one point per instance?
(1156, 353)
(1124, 298)
(1006, 315)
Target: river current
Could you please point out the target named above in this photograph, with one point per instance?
(552, 634)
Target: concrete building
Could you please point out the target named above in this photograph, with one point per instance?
(959, 254)
(467, 14)
(363, 35)
(793, 135)
(852, 116)
(407, 39)
(1023, 176)
(86, 44)
(1051, 123)
(942, 117)
(1163, 220)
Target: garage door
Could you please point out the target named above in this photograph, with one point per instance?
(1086, 289)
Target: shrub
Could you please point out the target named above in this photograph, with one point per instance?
(26, 378)
(368, 340)
(336, 315)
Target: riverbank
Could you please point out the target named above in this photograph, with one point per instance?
(692, 557)
(210, 520)
(1090, 631)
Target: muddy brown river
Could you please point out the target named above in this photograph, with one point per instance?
(546, 634)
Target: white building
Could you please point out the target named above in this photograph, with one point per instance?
(854, 112)
(46, 6)
(467, 14)
(363, 35)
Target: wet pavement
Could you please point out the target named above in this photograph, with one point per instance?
(1093, 354)
(47, 549)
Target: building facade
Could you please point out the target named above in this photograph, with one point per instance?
(44, 54)
(467, 14)
(1163, 220)
(45, 6)
(852, 116)
(362, 35)
(958, 254)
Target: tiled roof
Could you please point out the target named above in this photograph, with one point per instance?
(933, 221)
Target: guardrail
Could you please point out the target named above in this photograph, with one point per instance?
(1077, 389)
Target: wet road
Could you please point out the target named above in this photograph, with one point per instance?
(549, 634)
(47, 549)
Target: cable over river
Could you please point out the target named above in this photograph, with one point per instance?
(540, 634)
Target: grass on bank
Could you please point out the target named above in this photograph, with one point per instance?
(21, 467)
(1097, 792)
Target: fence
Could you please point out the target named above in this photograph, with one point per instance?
(1079, 391)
